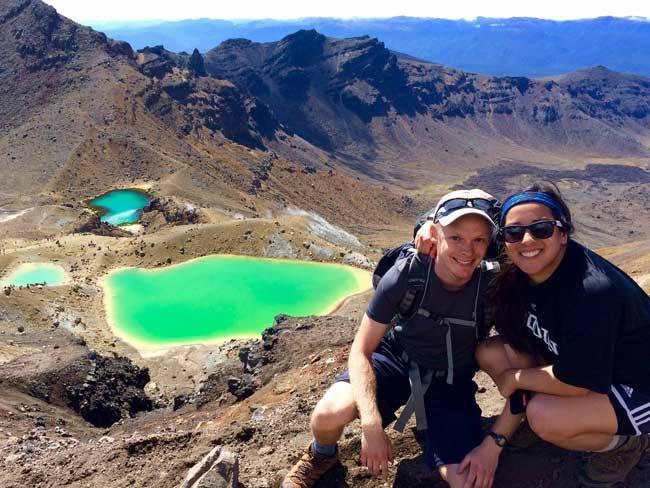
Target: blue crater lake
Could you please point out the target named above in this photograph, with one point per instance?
(35, 273)
(121, 207)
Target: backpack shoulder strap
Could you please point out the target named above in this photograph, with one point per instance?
(417, 282)
(388, 259)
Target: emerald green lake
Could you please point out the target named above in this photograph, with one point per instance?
(220, 297)
(120, 207)
(32, 273)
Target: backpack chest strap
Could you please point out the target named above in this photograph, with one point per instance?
(415, 403)
(448, 320)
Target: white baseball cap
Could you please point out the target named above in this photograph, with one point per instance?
(458, 203)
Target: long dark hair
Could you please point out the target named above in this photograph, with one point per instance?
(510, 290)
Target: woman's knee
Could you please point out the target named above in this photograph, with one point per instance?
(559, 420)
(540, 419)
(519, 359)
(490, 354)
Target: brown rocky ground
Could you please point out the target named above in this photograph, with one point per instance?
(45, 446)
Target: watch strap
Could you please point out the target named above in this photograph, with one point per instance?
(499, 440)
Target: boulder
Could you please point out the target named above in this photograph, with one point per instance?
(218, 469)
(357, 259)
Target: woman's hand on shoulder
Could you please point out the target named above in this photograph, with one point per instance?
(425, 239)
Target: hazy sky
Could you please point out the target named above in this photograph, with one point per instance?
(102, 10)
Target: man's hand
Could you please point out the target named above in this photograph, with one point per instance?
(507, 382)
(376, 450)
(425, 239)
(480, 464)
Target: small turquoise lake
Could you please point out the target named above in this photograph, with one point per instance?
(121, 207)
(34, 273)
(216, 298)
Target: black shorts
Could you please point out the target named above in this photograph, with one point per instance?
(632, 409)
(453, 416)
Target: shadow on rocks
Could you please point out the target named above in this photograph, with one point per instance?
(413, 473)
(335, 478)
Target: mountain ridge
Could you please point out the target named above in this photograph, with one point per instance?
(501, 47)
(361, 76)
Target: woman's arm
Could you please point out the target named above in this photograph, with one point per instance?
(540, 379)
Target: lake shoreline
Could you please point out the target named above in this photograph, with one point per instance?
(148, 348)
(56, 275)
(106, 212)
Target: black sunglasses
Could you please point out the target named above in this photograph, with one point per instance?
(539, 230)
(449, 206)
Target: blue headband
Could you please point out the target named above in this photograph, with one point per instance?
(532, 197)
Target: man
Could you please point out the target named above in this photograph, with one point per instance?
(430, 346)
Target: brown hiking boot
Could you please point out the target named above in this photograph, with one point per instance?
(606, 469)
(306, 472)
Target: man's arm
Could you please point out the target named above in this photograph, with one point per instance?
(375, 445)
(362, 376)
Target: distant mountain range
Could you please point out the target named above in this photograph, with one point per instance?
(502, 47)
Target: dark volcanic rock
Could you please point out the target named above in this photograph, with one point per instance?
(203, 103)
(179, 401)
(101, 389)
(44, 39)
(196, 64)
(605, 94)
(208, 103)
(303, 48)
(173, 211)
(242, 387)
(360, 72)
(92, 223)
(157, 62)
(113, 389)
(495, 179)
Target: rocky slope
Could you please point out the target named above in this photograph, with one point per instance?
(360, 91)
(82, 114)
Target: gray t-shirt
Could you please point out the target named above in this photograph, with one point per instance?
(426, 339)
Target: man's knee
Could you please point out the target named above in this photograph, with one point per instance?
(334, 411)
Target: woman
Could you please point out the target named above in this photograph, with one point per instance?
(574, 332)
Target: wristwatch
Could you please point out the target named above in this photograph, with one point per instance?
(500, 440)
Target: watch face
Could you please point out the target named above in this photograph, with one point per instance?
(498, 439)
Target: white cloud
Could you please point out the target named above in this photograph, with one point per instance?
(84, 10)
